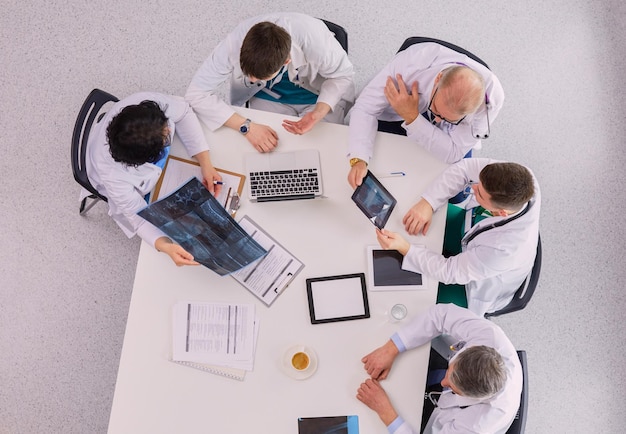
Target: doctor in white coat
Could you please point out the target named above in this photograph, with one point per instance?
(291, 46)
(461, 96)
(125, 184)
(482, 398)
(498, 252)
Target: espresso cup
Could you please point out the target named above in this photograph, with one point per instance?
(300, 360)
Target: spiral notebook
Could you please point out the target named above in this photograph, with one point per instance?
(234, 373)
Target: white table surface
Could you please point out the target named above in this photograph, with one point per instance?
(330, 235)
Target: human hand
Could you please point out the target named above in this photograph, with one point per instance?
(209, 178)
(418, 218)
(374, 396)
(378, 362)
(179, 255)
(303, 125)
(392, 241)
(405, 104)
(357, 173)
(262, 137)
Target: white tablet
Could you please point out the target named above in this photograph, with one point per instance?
(385, 273)
(337, 298)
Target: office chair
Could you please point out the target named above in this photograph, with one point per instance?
(526, 290)
(419, 39)
(519, 423)
(340, 33)
(88, 112)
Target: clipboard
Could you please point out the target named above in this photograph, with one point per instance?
(269, 276)
(337, 298)
(178, 170)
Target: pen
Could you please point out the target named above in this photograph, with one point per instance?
(218, 183)
(392, 174)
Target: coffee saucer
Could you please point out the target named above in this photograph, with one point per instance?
(295, 373)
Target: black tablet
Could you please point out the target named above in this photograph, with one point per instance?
(374, 200)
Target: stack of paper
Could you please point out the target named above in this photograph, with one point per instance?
(216, 337)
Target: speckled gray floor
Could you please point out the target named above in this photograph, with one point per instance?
(66, 280)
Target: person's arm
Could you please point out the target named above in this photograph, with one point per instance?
(448, 146)
(378, 363)
(447, 319)
(364, 117)
(202, 91)
(474, 264)
(418, 218)
(374, 396)
(332, 63)
(262, 137)
(453, 179)
(179, 255)
(308, 121)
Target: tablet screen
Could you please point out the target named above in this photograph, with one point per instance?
(337, 298)
(374, 200)
(385, 271)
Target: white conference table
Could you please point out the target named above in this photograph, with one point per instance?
(330, 236)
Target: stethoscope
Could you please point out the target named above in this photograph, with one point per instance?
(487, 108)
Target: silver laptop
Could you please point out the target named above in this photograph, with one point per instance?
(283, 175)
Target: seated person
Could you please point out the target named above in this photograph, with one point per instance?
(456, 96)
(483, 383)
(497, 253)
(286, 63)
(126, 151)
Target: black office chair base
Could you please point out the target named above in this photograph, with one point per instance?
(83, 209)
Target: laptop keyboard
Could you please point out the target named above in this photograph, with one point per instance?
(284, 183)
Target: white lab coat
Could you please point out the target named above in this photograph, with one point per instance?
(485, 416)
(318, 64)
(494, 264)
(125, 186)
(422, 62)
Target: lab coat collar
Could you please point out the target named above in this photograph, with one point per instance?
(450, 399)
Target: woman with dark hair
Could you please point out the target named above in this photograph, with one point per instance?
(126, 153)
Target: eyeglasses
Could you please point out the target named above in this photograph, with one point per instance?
(475, 134)
(262, 83)
(437, 115)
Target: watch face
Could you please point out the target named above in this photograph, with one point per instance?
(243, 129)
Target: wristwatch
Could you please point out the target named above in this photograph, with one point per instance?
(245, 127)
(353, 161)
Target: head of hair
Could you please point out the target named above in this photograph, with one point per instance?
(137, 133)
(478, 372)
(264, 50)
(509, 185)
(462, 88)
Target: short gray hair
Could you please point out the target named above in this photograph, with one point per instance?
(478, 372)
(463, 89)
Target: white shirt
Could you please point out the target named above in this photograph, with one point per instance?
(422, 62)
(492, 265)
(125, 186)
(485, 416)
(318, 64)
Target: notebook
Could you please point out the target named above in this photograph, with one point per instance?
(283, 175)
(224, 371)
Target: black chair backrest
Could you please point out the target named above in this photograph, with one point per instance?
(526, 290)
(88, 112)
(419, 39)
(519, 423)
(340, 34)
